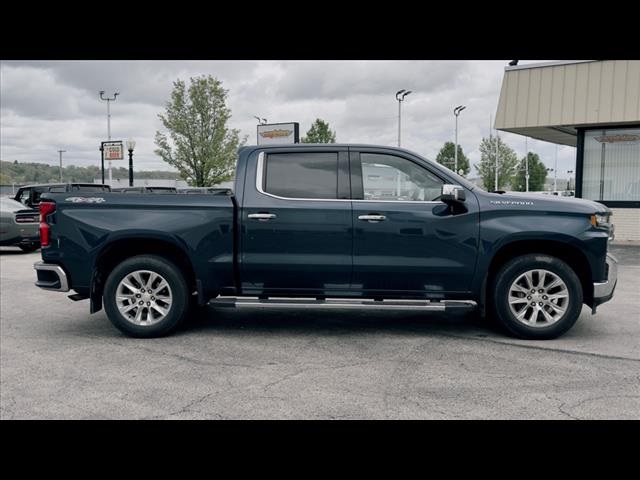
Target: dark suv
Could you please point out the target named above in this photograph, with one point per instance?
(30, 194)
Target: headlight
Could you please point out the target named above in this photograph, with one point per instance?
(603, 220)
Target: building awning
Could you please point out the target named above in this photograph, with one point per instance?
(549, 101)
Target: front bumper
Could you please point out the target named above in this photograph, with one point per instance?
(51, 277)
(603, 291)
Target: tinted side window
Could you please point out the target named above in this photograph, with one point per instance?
(89, 188)
(387, 177)
(36, 195)
(24, 196)
(302, 175)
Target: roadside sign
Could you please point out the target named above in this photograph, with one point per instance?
(113, 150)
(278, 133)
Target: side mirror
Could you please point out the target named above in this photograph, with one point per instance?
(452, 193)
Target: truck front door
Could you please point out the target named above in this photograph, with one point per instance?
(296, 225)
(405, 239)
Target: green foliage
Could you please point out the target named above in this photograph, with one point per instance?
(446, 157)
(23, 173)
(319, 133)
(537, 174)
(199, 145)
(486, 168)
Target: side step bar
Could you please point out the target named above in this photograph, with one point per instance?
(255, 302)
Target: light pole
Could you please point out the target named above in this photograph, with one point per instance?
(261, 121)
(555, 171)
(131, 144)
(497, 144)
(108, 100)
(400, 94)
(456, 112)
(526, 163)
(61, 152)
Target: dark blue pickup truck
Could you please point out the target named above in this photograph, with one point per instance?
(335, 226)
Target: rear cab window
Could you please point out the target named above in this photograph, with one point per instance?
(301, 175)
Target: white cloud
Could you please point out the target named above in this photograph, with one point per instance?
(45, 106)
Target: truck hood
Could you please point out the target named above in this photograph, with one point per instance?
(538, 201)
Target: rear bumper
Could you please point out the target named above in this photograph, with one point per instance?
(603, 291)
(51, 277)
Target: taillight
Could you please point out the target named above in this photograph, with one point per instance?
(26, 218)
(46, 208)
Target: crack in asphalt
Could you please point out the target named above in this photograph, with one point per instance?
(589, 399)
(183, 409)
(184, 357)
(286, 377)
(534, 347)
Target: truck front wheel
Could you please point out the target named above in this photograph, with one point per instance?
(537, 297)
(146, 296)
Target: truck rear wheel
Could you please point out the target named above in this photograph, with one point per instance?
(146, 296)
(537, 297)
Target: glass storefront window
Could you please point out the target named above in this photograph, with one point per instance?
(611, 169)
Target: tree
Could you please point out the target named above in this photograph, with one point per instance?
(537, 174)
(319, 133)
(446, 157)
(507, 160)
(202, 147)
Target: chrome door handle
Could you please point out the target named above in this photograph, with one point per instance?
(372, 218)
(261, 216)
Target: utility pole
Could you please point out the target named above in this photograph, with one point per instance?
(108, 100)
(61, 152)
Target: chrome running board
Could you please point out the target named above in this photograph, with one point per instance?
(341, 303)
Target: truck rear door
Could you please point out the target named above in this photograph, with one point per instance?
(296, 222)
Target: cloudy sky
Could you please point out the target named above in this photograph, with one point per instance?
(50, 105)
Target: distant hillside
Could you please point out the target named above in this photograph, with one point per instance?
(20, 173)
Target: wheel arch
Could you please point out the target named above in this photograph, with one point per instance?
(568, 253)
(120, 249)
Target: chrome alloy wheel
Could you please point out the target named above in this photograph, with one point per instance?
(143, 297)
(538, 298)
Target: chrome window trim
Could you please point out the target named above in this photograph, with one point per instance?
(260, 177)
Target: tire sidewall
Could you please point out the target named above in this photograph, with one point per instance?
(516, 267)
(172, 275)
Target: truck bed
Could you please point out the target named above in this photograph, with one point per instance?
(86, 226)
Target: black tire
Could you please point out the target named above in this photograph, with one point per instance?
(510, 271)
(29, 248)
(180, 296)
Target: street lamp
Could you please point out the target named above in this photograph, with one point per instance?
(526, 163)
(261, 121)
(569, 185)
(108, 100)
(456, 112)
(61, 152)
(131, 144)
(555, 171)
(400, 94)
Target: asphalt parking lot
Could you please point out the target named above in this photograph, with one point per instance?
(59, 362)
